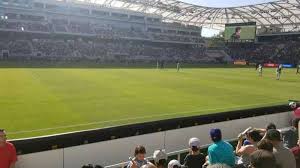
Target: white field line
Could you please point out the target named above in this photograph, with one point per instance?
(136, 118)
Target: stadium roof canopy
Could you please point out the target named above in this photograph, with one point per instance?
(283, 13)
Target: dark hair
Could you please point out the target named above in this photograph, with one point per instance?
(237, 29)
(2, 130)
(255, 135)
(273, 135)
(265, 145)
(98, 166)
(296, 122)
(262, 159)
(139, 150)
(271, 126)
(88, 166)
(195, 148)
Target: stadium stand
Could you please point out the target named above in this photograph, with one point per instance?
(278, 51)
(45, 31)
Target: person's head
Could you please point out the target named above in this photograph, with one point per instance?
(264, 144)
(98, 166)
(218, 166)
(262, 159)
(194, 144)
(238, 30)
(88, 166)
(2, 136)
(215, 135)
(160, 158)
(271, 126)
(296, 122)
(139, 152)
(293, 105)
(254, 136)
(174, 164)
(273, 136)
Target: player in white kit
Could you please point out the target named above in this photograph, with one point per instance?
(260, 70)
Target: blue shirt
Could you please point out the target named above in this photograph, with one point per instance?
(221, 152)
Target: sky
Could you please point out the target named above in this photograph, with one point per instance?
(225, 3)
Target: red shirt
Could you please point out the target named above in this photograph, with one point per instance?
(297, 112)
(7, 155)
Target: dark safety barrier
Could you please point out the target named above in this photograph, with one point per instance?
(38, 144)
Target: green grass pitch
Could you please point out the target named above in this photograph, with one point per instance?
(41, 101)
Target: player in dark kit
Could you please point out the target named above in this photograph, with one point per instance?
(278, 72)
(256, 66)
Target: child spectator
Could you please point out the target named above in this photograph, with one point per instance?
(139, 158)
(194, 159)
(160, 158)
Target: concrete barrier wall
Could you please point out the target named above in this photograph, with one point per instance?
(118, 150)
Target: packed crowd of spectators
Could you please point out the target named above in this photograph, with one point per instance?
(277, 51)
(86, 28)
(102, 50)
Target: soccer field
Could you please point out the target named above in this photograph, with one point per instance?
(41, 101)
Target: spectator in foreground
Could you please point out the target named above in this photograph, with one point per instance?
(296, 151)
(296, 109)
(290, 135)
(160, 158)
(220, 152)
(244, 152)
(174, 164)
(265, 145)
(8, 156)
(284, 157)
(262, 159)
(139, 158)
(263, 131)
(194, 159)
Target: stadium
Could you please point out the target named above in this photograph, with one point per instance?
(94, 82)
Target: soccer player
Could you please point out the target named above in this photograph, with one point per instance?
(256, 66)
(178, 66)
(278, 72)
(298, 69)
(260, 70)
